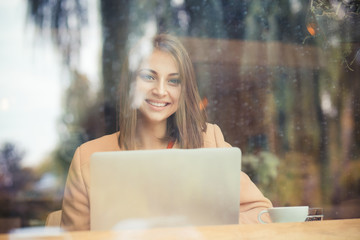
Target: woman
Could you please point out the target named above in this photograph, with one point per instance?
(159, 108)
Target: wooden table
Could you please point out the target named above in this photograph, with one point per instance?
(329, 229)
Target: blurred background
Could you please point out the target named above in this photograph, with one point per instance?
(281, 79)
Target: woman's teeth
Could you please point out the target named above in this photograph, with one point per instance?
(157, 104)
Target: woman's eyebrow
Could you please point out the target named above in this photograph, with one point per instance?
(155, 73)
(174, 74)
(147, 69)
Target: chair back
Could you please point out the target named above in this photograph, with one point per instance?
(53, 219)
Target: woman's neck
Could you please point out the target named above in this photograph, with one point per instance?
(150, 136)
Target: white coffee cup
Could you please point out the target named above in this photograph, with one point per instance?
(286, 214)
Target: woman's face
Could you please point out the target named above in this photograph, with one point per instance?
(158, 87)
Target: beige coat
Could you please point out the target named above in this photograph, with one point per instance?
(76, 206)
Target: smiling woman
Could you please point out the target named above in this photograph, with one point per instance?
(167, 114)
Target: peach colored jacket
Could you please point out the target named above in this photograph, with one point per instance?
(76, 206)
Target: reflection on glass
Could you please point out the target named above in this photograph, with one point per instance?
(280, 78)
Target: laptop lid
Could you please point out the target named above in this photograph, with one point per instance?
(164, 188)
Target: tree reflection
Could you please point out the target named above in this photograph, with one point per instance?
(82, 120)
(13, 178)
(14, 182)
(281, 78)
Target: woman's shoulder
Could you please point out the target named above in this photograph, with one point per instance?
(213, 136)
(211, 126)
(106, 142)
(102, 144)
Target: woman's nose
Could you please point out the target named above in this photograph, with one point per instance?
(160, 88)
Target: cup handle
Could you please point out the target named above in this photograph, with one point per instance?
(260, 214)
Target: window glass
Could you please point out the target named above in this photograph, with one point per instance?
(280, 78)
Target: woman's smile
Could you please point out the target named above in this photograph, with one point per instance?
(157, 104)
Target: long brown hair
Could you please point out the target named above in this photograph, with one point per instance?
(187, 124)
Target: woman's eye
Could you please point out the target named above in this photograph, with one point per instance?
(175, 81)
(147, 77)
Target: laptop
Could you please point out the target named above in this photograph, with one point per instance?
(164, 188)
